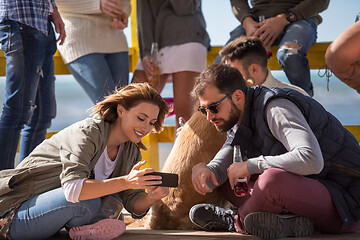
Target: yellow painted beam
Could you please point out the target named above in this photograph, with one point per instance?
(133, 25)
(152, 154)
(168, 134)
(315, 56)
(134, 50)
(355, 130)
(214, 50)
(2, 64)
(60, 67)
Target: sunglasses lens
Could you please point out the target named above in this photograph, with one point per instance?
(202, 110)
(212, 109)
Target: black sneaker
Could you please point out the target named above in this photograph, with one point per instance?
(212, 218)
(270, 226)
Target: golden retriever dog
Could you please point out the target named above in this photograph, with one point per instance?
(197, 142)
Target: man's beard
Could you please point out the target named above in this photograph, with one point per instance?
(233, 119)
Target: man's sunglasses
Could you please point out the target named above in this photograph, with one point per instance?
(212, 107)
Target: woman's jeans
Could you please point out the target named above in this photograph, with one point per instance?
(100, 73)
(30, 89)
(44, 215)
(293, 61)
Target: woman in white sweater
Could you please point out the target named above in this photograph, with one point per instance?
(96, 49)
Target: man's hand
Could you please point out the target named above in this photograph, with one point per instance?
(271, 28)
(59, 25)
(250, 26)
(237, 170)
(200, 173)
(113, 8)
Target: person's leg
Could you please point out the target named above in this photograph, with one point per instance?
(293, 48)
(119, 67)
(277, 191)
(183, 82)
(23, 47)
(35, 131)
(237, 32)
(44, 215)
(93, 74)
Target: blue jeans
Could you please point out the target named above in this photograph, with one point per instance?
(295, 64)
(44, 215)
(100, 73)
(30, 89)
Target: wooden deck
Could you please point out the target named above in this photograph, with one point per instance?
(135, 230)
(133, 233)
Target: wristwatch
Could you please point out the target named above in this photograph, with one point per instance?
(290, 17)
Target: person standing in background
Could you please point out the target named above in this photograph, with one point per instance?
(28, 41)
(290, 24)
(96, 50)
(179, 29)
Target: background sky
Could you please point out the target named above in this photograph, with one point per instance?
(220, 20)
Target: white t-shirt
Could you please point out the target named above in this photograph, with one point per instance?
(103, 169)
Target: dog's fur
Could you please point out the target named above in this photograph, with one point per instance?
(197, 142)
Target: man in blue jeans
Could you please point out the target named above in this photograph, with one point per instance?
(290, 24)
(28, 40)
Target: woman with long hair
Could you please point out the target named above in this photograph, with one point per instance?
(65, 180)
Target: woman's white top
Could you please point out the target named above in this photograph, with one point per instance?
(103, 169)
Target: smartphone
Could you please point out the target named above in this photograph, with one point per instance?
(168, 179)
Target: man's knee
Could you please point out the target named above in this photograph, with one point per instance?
(272, 179)
(290, 55)
(289, 49)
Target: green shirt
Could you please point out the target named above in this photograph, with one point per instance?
(68, 155)
(300, 8)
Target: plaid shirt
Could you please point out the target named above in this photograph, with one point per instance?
(33, 13)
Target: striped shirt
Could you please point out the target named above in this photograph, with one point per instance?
(33, 13)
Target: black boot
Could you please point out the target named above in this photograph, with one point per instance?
(270, 226)
(212, 218)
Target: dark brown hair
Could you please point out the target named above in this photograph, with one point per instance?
(247, 49)
(227, 79)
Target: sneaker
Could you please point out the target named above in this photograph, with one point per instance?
(270, 226)
(212, 218)
(105, 229)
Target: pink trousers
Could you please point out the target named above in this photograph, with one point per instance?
(278, 191)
